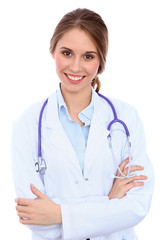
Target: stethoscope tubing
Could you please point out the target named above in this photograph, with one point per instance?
(41, 164)
(40, 129)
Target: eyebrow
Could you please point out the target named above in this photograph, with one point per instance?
(68, 49)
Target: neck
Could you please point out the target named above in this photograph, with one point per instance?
(77, 101)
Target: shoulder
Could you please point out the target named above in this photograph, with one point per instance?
(120, 106)
(130, 116)
(24, 128)
(30, 115)
(125, 111)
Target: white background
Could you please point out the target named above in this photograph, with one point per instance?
(27, 75)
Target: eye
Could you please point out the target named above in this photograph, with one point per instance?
(67, 53)
(88, 56)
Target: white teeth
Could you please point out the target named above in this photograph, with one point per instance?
(74, 78)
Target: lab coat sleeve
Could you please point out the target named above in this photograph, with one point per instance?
(100, 216)
(23, 156)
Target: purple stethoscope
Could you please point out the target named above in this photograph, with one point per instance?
(41, 166)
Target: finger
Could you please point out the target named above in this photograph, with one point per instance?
(36, 192)
(26, 221)
(23, 201)
(133, 169)
(20, 208)
(122, 166)
(22, 215)
(135, 178)
(133, 184)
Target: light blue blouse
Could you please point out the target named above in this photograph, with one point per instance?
(77, 135)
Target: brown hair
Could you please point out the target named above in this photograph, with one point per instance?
(93, 24)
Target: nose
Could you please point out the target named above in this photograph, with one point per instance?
(75, 65)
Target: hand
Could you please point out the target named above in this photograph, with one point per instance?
(122, 186)
(41, 211)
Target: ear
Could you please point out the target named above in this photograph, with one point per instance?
(53, 55)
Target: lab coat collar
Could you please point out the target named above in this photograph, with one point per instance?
(97, 135)
(57, 136)
(52, 118)
(100, 115)
(98, 131)
(85, 115)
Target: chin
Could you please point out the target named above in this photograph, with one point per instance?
(76, 88)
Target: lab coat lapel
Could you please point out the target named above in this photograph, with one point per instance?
(98, 131)
(57, 135)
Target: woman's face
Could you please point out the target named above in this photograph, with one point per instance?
(77, 61)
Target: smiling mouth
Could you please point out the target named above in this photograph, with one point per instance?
(74, 77)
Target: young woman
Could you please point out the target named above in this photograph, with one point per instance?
(79, 192)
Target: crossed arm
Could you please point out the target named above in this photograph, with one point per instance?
(43, 211)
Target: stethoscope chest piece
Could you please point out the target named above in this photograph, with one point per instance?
(41, 166)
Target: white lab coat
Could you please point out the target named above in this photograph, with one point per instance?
(86, 210)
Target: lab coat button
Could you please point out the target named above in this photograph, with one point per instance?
(86, 179)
